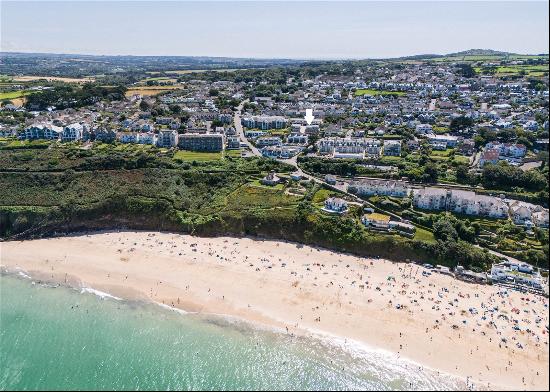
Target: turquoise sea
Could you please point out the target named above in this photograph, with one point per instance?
(60, 338)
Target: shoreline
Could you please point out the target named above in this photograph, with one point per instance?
(348, 345)
(322, 296)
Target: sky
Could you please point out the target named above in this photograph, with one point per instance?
(267, 29)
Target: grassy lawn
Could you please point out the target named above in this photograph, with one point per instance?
(424, 235)
(129, 147)
(321, 195)
(259, 184)
(182, 155)
(390, 159)
(232, 153)
(360, 92)
(461, 159)
(443, 153)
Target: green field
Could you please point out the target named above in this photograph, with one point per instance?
(443, 153)
(14, 94)
(198, 156)
(360, 92)
(510, 70)
(182, 155)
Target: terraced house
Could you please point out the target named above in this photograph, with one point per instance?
(41, 131)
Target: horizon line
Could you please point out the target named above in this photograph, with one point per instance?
(335, 58)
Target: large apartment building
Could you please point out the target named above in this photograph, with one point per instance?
(201, 142)
(167, 138)
(72, 132)
(264, 122)
(460, 202)
(379, 188)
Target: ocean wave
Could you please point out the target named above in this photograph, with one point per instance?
(100, 294)
(173, 309)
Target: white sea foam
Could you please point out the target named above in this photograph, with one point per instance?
(23, 273)
(100, 294)
(177, 310)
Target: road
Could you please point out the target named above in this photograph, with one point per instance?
(240, 130)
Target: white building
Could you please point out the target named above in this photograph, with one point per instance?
(423, 129)
(335, 205)
(379, 187)
(72, 132)
(167, 138)
(42, 131)
(518, 273)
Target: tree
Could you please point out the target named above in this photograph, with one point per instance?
(461, 122)
(431, 173)
(144, 106)
(444, 230)
(466, 70)
(175, 109)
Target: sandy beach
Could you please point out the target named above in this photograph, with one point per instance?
(496, 338)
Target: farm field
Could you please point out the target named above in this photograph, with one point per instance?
(188, 71)
(531, 70)
(149, 90)
(14, 94)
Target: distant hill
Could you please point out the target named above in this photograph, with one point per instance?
(480, 52)
(470, 53)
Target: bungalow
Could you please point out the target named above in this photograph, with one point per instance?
(376, 221)
(335, 205)
(270, 179)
